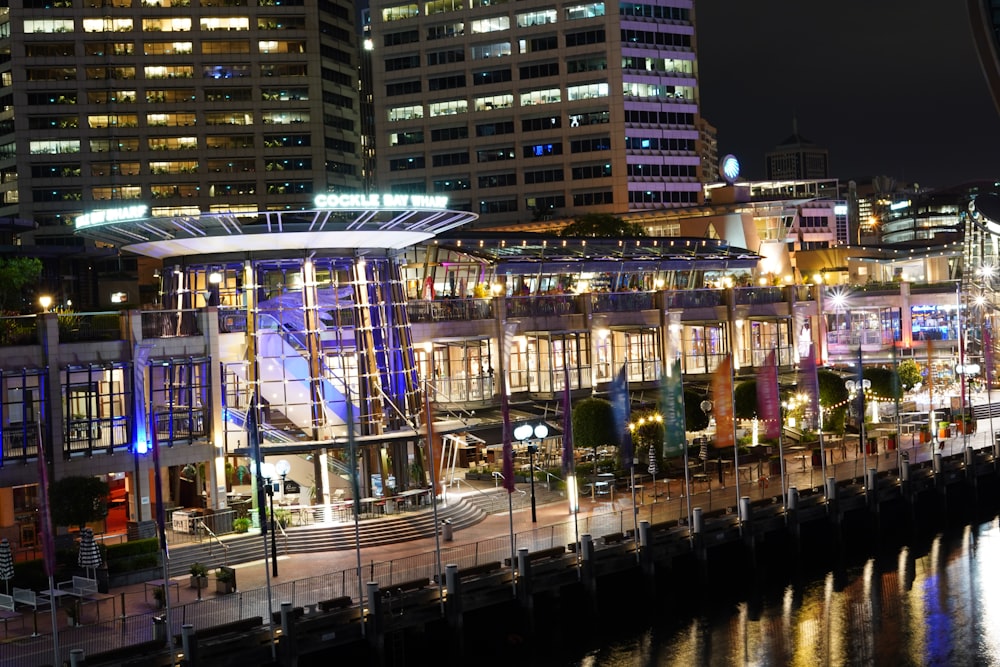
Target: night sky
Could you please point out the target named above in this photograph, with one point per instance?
(889, 87)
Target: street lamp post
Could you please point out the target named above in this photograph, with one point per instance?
(526, 433)
(267, 471)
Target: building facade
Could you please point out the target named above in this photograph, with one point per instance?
(528, 110)
(189, 106)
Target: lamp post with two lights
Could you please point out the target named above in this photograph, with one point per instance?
(531, 435)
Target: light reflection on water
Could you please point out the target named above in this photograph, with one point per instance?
(941, 608)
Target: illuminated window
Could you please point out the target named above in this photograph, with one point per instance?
(529, 19)
(547, 96)
(53, 25)
(496, 50)
(166, 25)
(449, 107)
(490, 102)
(587, 11)
(405, 113)
(54, 147)
(400, 12)
(587, 91)
(167, 48)
(225, 23)
(492, 24)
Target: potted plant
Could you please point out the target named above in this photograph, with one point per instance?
(160, 596)
(199, 576)
(225, 580)
(282, 517)
(241, 524)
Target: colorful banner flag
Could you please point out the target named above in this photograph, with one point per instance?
(809, 382)
(722, 397)
(672, 409)
(567, 449)
(508, 444)
(621, 406)
(988, 354)
(44, 513)
(768, 401)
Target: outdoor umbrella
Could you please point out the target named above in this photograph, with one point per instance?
(6, 563)
(653, 469)
(90, 555)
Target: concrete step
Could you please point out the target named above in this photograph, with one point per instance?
(324, 537)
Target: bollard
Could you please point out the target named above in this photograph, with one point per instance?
(744, 509)
(189, 644)
(904, 470)
(160, 628)
(970, 458)
(831, 489)
(937, 463)
(697, 523)
(793, 498)
(447, 531)
(77, 658)
(871, 482)
(643, 534)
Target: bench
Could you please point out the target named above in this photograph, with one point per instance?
(614, 538)
(343, 602)
(478, 570)
(239, 627)
(30, 598)
(297, 613)
(79, 586)
(7, 612)
(542, 554)
(406, 586)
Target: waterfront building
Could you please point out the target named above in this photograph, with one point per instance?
(534, 110)
(359, 310)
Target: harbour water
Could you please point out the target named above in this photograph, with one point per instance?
(879, 593)
(932, 601)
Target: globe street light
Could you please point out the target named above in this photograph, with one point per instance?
(267, 472)
(526, 433)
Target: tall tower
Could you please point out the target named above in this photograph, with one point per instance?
(181, 106)
(797, 158)
(528, 110)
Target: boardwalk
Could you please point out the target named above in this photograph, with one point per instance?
(306, 579)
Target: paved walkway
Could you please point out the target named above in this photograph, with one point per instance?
(663, 503)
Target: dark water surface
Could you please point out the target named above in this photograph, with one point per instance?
(934, 602)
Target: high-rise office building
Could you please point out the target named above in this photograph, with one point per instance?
(178, 106)
(532, 109)
(797, 158)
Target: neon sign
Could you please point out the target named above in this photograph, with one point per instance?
(356, 201)
(109, 215)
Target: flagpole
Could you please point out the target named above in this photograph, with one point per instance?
(508, 475)
(569, 462)
(352, 453)
(48, 543)
(736, 444)
(161, 526)
(430, 452)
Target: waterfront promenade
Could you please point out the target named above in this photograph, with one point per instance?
(306, 578)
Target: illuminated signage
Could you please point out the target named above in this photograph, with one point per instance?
(355, 201)
(109, 215)
(895, 206)
(840, 209)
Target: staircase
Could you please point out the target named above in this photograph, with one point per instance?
(494, 500)
(401, 527)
